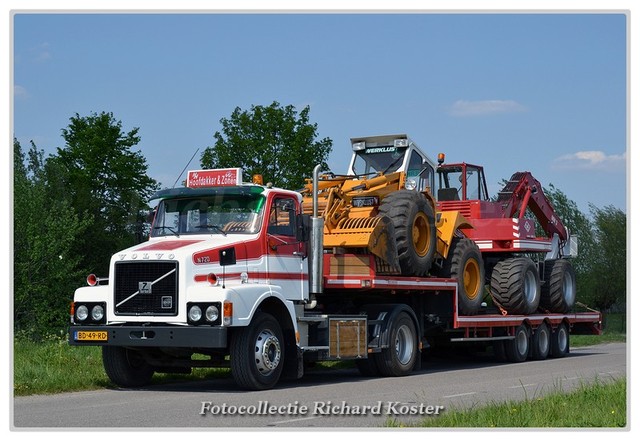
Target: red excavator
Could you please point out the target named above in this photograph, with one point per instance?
(504, 230)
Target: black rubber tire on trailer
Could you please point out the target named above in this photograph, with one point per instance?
(559, 290)
(257, 353)
(400, 357)
(464, 263)
(126, 367)
(560, 340)
(541, 342)
(517, 350)
(413, 219)
(515, 285)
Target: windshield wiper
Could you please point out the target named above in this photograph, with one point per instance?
(215, 227)
(166, 228)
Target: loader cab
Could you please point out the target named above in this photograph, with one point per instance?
(461, 182)
(382, 155)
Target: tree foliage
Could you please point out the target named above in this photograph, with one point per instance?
(273, 141)
(46, 268)
(106, 182)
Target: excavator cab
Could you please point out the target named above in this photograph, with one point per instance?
(461, 182)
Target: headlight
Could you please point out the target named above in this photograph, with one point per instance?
(195, 313)
(212, 313)
(97, 313)
(410, 184)
(82, 313)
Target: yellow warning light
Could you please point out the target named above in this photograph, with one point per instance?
(257, 179)
(440, 158)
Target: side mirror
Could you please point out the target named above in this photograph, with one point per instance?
(303, 223)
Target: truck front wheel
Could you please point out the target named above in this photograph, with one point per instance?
(126, 367)
(257, 353)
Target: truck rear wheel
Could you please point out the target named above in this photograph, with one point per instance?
(400, 357)
(517, 350)
(515, 285)
(257, 353)
(559, 289)
(464, 263)
(126, 367)
(413, 219)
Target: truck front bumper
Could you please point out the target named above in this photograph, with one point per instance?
(149, 336)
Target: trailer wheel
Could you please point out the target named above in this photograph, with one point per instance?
(517, 350)
(414, 225)
(559, 289)
(560, 341)
(400, 357)
(126, 367)
(464, 263)
(541, 342)
(257, 353)
(515, 285)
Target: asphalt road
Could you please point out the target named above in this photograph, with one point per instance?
(323, 398)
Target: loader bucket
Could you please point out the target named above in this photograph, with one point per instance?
(374, 233)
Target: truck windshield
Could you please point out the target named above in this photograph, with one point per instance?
(217, 214)
(377, 159)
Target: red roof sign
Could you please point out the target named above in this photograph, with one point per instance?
(222, 177)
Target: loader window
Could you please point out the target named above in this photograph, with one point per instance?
(420, 170)
(378, 159)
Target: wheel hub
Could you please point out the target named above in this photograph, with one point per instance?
(268, 352)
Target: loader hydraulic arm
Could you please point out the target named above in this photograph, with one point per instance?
(523, 191)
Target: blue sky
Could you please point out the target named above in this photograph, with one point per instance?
(542, 92)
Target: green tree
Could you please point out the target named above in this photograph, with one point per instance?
(610, 267)
(106, 181)
(273, 141)
(46, 269)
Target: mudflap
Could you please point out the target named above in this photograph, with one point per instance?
(382, 242)
(293, 368)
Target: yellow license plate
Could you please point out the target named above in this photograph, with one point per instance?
(91, 336)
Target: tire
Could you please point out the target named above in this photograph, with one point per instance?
(560, 340)
(559, 290)
(499, 351)
(414, 229)
(541, 342)
(515, 285)
(257, 353)
(126, 367)
(368, 367)
(517, 350)
(464, 263)
(400, 357)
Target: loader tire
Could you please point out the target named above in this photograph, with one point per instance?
(515, 285)
(413, 220)
(464, 263)
(559, 290)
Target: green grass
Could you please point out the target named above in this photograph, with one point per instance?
(595, 405)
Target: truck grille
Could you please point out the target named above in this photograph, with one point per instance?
(146, 288)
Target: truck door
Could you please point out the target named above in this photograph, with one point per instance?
(286, 265)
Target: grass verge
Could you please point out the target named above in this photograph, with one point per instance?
(602, 404)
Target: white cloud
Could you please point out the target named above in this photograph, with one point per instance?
(590, 160)
(19, 91)
(486, 107)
